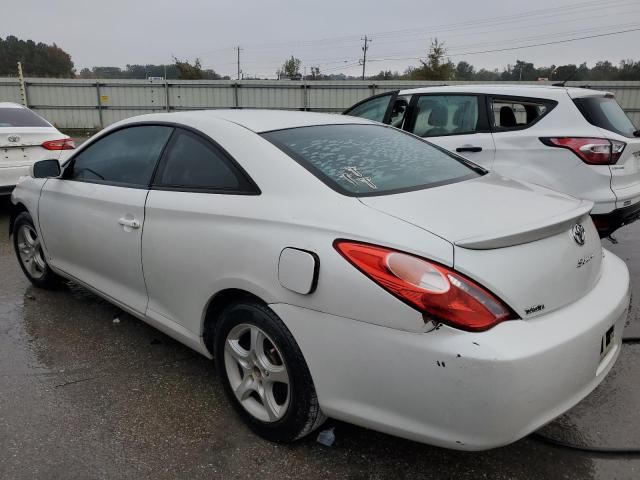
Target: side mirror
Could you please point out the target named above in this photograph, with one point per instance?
(46, 169)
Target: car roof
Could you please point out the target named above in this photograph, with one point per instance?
(11, 105)
(256, 120)
(546, 91)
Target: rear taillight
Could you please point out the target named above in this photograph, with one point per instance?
(594, 151)
(436, 291)
(62, 144)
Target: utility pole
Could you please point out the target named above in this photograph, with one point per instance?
(23, 90)
(367, 41)
(238, 49)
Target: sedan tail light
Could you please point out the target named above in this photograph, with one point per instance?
(62, 144)
(436, 291)
(594, 151)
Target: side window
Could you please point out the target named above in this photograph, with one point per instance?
(125, 157)
(512, 114)
(399, 111)
(192, 162)
(372, 109)
(437, 115)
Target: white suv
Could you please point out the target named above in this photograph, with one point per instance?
(573, 140)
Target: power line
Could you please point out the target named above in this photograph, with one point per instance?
(571, 9)
(514, 48)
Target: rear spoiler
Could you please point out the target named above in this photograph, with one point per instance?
(530, 233)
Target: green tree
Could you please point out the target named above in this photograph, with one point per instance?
(522, 70)
(38, 59)
(188, 71)
(603, 70)
(435, 66)
(385, 75)
(487, 75)
(464, 71)
(628, 70)
(290, 68)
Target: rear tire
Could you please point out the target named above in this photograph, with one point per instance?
(26, 244)
(264, 373)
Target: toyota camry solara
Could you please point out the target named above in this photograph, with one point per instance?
(336, 267)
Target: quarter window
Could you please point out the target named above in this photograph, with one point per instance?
(192, 162)
(511, 114)
(437, 115)
(125, 157)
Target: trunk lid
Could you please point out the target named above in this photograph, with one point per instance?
(22, 145)
(514, 238)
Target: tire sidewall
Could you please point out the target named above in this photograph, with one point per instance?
(289, 427)
(48, 279)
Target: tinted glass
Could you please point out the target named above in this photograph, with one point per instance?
(605, 113)
(21, 117)
(398, 112)
(514, 114)
(125, 157)
(193, 162)
(373, 109)
(370, 159)
(445, 115)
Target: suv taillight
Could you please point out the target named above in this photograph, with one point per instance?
(433, 289)
(62, 144)
(594, 151)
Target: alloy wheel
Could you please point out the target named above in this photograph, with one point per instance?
(257, 373)
(30, 251)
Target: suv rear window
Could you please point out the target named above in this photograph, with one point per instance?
(365, 160)
(21, 117)
(605, 112)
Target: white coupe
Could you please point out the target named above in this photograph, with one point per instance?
(334, 266)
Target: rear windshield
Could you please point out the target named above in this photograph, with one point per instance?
(21, 117)
(605, 112)
(364, 160)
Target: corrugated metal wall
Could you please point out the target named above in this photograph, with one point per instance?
(97, 103)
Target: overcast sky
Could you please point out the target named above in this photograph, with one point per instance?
(326, 33)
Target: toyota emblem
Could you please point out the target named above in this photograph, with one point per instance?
(578, 234)
(13, 138)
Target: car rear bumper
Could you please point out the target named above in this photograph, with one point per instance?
(461, 390)
(9, 176)
(609, 222)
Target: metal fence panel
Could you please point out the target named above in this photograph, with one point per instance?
(9, 90)
(93, 104)
(185, 96)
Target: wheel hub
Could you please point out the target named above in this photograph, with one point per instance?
(257, 373)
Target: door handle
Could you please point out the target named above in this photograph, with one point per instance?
(129, 222)
(468, 148)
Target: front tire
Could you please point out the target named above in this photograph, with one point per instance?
(264, 373)
(31, 258)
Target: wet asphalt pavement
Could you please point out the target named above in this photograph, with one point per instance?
(84, 397)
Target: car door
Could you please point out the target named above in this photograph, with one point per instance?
(92, 218)
(197, 196)
(519, 152)
(456, 122)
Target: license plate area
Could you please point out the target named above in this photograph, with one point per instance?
(14, 154)
(606, 343)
